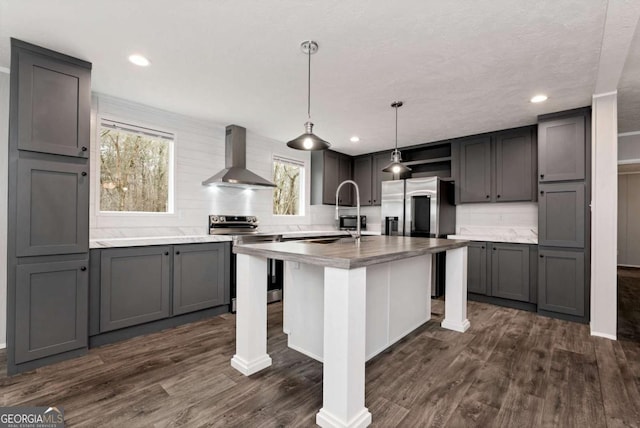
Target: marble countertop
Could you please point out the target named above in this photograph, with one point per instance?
(508, 235)
(194, 239)
(344, 254)
(156, 240)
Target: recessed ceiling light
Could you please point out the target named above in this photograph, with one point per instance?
(139, 60)
(539, 98)
(354, 139)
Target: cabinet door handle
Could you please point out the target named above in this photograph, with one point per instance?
(369, 200)
(488, 196)
(83, 173)
(498, 196)
(482, 247)
(83, 268)
(541, 175)
(177, 252)
(166, 253)
(84, 149)
(541, 256)
(542, 192)
(494, 248)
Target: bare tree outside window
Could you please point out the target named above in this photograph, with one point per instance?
(287, 177)
(134, 171)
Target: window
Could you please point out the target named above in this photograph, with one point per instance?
(288, 196)
(135, 168)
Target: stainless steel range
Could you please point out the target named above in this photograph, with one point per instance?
(244, 230)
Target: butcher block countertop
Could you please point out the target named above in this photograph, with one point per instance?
(344, 254)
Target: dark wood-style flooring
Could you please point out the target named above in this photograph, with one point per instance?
(511, 369)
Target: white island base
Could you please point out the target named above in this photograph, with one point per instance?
(343, 317)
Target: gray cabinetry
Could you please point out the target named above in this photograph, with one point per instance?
(48, 207)
(200, 273)
(134, 286)
(475, 170)
(51, 308)
(561, 284)
(561, 149)
(363, 176)
(54, 105)
(52, 207)
(328, 170)
(477, 268)
(514, 163)
(561, 214)
(510, 271)
(347, 194)
(367, 172)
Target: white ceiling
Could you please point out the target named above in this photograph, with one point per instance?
(461, 67)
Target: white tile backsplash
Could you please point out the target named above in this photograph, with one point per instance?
(523, 215)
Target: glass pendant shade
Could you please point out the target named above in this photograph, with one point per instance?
(308, 140)
(396, 166)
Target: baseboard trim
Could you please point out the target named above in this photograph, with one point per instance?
(604, 335)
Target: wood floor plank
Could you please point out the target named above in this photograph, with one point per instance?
(511, 369)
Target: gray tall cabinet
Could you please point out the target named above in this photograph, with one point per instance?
(48, 218)
(564, 183)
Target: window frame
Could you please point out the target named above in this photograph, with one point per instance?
(302, 186)
(143, 127)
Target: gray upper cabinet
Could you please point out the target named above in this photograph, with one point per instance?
(367, 172)
(200, 274)
(52, 208)
(514, 166)
(135, 286)
(347, 193)
(477, 268)
(51, 308)
(475, 170)
(510, 271)
(379, 161)
(54, 108)
(362, 175)
(561, 284)
(561, 215)
(328, 170)
(561, 149)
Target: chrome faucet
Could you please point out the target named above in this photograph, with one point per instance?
(357, 235)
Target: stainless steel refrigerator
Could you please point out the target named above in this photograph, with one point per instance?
(420, 207)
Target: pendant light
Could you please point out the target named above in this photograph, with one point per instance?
(308, 141)
(396, 165)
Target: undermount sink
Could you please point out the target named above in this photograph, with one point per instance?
(330, 241)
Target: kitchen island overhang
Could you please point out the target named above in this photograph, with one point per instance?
(344, 304)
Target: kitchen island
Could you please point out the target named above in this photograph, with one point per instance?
(366, 297)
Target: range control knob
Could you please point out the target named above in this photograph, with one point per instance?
(214, 219)
(221, 219)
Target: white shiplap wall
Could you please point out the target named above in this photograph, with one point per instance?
(199, 153)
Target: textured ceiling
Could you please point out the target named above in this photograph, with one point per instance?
(462, 67)
(629, 90)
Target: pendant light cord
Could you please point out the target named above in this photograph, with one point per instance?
(309, 85)
(396, 128)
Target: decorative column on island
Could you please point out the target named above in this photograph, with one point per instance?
(344, 304)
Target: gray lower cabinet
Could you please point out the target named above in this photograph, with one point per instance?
(510, 271)
(561, 214)
(561, 285)
(477, 268)
(475, 170)
(561, 149)
(199, 277)
(135, 286)
(52, 207)
(51, 308)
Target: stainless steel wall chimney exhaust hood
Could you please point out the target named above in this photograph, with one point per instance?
(235, 173)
